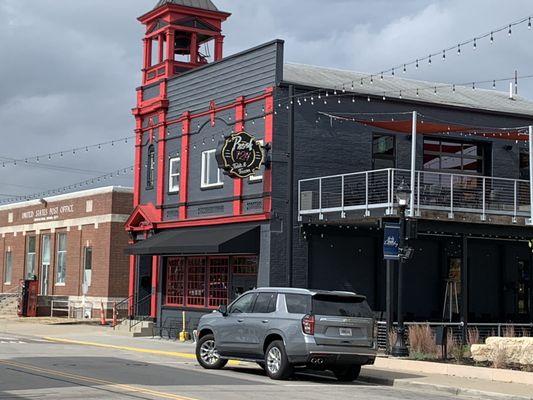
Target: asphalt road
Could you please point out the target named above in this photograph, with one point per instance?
(36, 369)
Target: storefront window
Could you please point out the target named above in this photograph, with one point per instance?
(196, 281)
(455, 157)
(30, 257)
(244, 265)
(218, 281)
(61, 271)
(175, 281)
(205, 282)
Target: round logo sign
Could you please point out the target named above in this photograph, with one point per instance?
(240, 155)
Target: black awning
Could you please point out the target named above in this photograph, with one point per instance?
(205, 240)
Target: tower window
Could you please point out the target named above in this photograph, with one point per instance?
(150, 168)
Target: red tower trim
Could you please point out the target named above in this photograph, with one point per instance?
(238, 183)
(184, 172)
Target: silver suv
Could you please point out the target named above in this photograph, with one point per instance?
(283, 328)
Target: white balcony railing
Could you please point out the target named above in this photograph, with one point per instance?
(373, 192)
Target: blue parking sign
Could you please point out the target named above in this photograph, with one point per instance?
(391, 241)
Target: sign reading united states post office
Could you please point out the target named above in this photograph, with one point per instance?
(240, 155)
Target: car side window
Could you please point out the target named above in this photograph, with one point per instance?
(265, 303)
(298, 303)
(243, 305)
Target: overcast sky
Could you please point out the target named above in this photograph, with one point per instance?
(69, 68)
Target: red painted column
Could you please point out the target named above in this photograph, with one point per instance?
(138, 161)
(194, 48)
(170, 52)
(161, 43)
(238, 183)
(219, 47)
(148, 52)
(161, 164)
(269, 134)
(155, 280)
(131, 286)
(145, 58)
(184, 172)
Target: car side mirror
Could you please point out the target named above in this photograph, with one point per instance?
(223, 309)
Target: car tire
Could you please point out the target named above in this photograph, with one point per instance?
(207, 354)
(347, 374)
(277, 364)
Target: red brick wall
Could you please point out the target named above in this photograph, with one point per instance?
(110, 267)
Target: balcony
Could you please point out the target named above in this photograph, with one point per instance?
(371, 194)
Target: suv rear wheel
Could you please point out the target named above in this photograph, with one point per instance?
(347, 374)
(207, 353)
(277, 364)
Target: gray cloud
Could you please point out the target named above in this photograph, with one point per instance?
(70, 68)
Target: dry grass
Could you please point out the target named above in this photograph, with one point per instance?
(393, 336)
(456, 348)
(499, 359)
(473, 336)
(422, 340)
(509, 332)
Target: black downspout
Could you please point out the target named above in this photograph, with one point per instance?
(290, 187)
(464, 289)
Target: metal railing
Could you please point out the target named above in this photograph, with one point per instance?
(484, 330)
(121, 310)
(433, 191)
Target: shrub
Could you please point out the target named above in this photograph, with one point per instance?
(393, 336)
(509, 332)
(422, 341)
(473, 336)
(456, 349)
(499, 358)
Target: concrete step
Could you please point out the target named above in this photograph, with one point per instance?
(141, 329)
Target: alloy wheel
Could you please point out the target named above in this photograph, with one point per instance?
(209, 352)
(274, 360)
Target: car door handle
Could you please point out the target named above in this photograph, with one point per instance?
(240, 320)
(265, 321)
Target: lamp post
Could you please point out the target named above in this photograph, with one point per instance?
(402, 195)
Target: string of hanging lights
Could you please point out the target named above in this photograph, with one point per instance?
(418, 62)
(325, 96)
(64, 189)
(49, 156)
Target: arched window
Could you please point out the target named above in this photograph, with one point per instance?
(150, 167)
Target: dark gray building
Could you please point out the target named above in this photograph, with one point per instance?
(343, 144)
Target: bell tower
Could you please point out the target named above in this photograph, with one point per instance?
(181, 35)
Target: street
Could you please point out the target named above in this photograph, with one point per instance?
(32, 368)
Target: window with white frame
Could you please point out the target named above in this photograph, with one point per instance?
(30, 257)
(258, 176)
(211, 176)
(61, 271)
(174, 175)
(8, 268)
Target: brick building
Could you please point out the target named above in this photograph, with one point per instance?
(68, 242)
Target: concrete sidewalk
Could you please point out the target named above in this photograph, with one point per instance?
(384, 373)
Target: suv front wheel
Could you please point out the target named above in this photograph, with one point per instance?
(207, 353)
(277, 364)
(347, 374)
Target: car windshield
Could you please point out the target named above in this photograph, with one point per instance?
(341, 306)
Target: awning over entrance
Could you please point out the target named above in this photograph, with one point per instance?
(206, 240)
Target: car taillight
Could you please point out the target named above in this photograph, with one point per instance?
(308, 324)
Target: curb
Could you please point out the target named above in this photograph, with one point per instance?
(456, 391)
